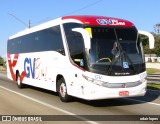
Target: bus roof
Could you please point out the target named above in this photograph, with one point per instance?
(86, 20)
(100, 20)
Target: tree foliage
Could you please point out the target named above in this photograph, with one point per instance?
(2, 62)
(145, 42)
(157, 46)
(157, 28)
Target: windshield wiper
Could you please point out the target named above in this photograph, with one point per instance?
(113, 63)
(122, 57)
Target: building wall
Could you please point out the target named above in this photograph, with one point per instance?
(151, 58)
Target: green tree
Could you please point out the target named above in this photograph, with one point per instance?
(157, 46)
(157, 39)
(145, 42)
(157, 28)
(2, 62)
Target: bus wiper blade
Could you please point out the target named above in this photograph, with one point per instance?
(116, 51)
(117, 56)
(121, 57)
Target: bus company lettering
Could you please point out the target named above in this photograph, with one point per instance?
(29, 67)
(98, 77)
(34, 68)
(110, 22)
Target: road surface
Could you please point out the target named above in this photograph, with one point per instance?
(34, 101)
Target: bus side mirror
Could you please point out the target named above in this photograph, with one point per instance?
(150, 36)
(85, 35)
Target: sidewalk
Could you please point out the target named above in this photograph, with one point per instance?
(2, 68)
(153, 65)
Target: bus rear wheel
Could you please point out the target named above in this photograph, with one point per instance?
(19, 83)
(62, 91)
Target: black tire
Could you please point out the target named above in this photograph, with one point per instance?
(62, 91)
(19, 83)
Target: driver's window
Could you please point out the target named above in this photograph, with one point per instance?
(76, 47)
(75, 44)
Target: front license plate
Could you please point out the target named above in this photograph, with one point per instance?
(124, 93)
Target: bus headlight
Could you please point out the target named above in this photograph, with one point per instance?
(143, 80)
(97, 82)
(143, 77)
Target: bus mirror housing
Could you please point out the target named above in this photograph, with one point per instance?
(85, 35)
(150, 36)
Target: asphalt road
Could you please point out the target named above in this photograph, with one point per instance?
(34, 101)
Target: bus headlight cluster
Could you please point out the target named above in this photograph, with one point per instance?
(143, 77)
(100, 83)
(143, 80)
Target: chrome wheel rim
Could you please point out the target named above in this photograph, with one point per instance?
(18, 81)
(63, 89)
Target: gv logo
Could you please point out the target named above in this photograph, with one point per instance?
(104, 21)
(29, 67)
(98, 77)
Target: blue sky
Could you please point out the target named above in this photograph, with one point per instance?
(143, 13)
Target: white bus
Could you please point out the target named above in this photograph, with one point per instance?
(89, 57)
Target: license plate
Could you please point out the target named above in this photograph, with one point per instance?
(124, 93)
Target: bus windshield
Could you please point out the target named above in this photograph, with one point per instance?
(116, 51)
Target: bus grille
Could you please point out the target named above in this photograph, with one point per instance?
(122, 85)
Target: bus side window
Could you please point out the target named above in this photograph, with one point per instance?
(75, 44)
(76, 48)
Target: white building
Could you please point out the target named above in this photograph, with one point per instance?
(151, 58)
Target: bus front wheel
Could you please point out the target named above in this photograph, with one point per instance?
(62, 91)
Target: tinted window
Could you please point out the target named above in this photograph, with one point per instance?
(75, 43)
(129, 34)
(56, 37)
(104, 33)
(74, 39)
(112, 48)
(44, 40)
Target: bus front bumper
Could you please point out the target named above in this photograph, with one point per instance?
(96, 92)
